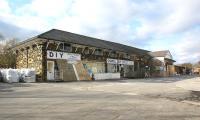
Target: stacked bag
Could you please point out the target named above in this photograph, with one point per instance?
(27, 75)
(17, 75)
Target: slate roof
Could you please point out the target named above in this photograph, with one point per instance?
(159, 53)
(64, 36)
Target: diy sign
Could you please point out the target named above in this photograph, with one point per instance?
(63, 55)
(122, 62)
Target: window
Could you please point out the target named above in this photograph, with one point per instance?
(113, 54)
(67, 47)
(61, 46)
(127, 56)
(98, 52)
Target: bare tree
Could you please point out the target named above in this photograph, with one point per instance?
(7, 57)
(187, 65)
(196, 64)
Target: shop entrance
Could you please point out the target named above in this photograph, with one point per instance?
(50, 70)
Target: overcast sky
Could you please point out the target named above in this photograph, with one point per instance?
(148, 24)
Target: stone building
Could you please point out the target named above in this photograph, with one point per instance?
(164, 63)
(65, 56)
(196, 70)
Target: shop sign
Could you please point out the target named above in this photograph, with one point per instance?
(63, 55)
(130, 63)
(112, 61)
(125, 62)
(122, 62)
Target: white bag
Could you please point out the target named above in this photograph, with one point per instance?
(12, 76)
(28, 75)
(17, 75)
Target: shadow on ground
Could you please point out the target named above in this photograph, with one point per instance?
(148, 80)
(164, 79)
(8, 87)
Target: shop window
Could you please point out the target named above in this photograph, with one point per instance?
(60, 47)
(67, 47)
(127, 56)
(98, 52)
(113, 54)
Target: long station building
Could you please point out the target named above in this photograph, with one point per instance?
(63, 56)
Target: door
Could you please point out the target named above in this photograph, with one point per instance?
(50, 70)
(121, 68)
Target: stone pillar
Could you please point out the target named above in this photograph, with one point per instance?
(44, 63)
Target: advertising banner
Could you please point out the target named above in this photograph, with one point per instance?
(112, 61)
(122, 62)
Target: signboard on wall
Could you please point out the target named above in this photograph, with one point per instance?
(125, 62)
(63, 55)
(122, 62)
(112, 61)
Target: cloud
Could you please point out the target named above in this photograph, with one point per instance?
(4, 7)
(187, 48)
(149, 24)
(101, 18)
(36, 15)
(8, 31)
(49, 8)
(168, 17)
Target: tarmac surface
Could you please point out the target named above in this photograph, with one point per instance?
(173, 98)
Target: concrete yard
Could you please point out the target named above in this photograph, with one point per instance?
(133, 99)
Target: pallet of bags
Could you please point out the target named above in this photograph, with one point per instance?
(17, 75)
(27, 75)
(10, 75)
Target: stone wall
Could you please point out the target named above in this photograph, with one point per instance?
(35, 59)
(30, 58)
(21, 59)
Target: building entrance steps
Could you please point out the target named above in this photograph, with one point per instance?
(82, 72)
